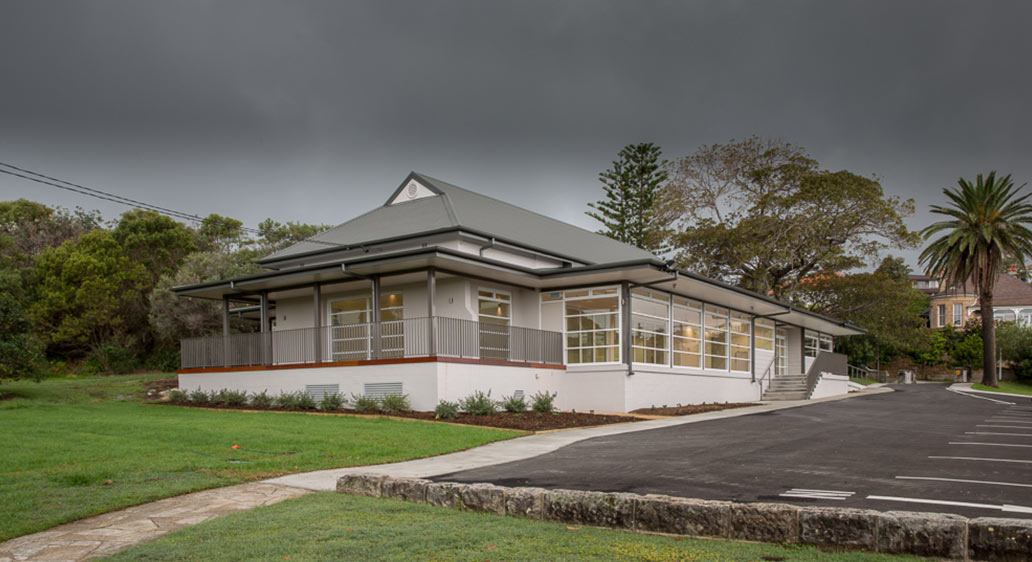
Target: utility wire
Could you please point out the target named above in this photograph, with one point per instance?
(107, 196)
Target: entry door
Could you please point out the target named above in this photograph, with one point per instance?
(780, 355)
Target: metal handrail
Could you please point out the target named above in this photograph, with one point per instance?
(391, 339)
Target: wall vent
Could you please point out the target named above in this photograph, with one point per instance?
(517, 394)
(381, 389)
(318, 391)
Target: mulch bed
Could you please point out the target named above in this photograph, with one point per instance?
(529, 421)
(690, 409)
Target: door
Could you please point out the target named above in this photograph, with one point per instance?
(349, 329)
(780, 355)
(495, 312)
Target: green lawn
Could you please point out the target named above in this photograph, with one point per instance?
(77, 447)
(863, 380)
(329, 526)
(1013, 387)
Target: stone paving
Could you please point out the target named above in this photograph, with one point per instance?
(111, 532)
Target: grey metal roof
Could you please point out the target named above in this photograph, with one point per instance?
(459, 208)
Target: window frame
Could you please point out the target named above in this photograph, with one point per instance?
(649, 295)
(587, 293)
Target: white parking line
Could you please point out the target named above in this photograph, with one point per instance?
(1008, 420)
(816, 494)
(1005, 426)
(997, 433)
(979, 459)
(988, 444)
(980, 397)
(1005, 507)
(938, 479)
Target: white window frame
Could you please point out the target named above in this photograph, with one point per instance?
(743, 320)
(605, 291)
(825, 342)
(499, 296)
(764, 343)
(811, 343)
(637, 293)
(707, 311)
(940, 311)
(958, 314)
(385, 334)
(694, 307)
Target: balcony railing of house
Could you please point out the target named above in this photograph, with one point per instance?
(412, 337)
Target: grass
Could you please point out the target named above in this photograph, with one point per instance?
(863, 380)
(329, 526)
(1012, 387)
(76, 447)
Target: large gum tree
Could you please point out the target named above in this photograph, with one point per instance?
(987, 223)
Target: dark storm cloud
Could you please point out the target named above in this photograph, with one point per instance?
(314, 110)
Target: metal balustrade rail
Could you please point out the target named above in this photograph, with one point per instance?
(394, 339)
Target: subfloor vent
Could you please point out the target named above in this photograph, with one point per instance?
(319, 391)
(381, 389)
(517, 394)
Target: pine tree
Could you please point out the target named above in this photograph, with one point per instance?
(630, 210)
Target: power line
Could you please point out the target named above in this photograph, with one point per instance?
(107, 196)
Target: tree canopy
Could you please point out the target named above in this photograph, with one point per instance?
(762, 214)
(631, 211)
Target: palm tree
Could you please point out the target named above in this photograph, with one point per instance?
(987, 223)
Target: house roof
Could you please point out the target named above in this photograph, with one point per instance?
(461, 209)
(1009, 291)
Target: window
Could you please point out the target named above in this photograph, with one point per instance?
(1004, 315)
(958, 314)
(592, 325)
(781, 353)
(687, 333)
(716, 338)
(764, 335)
(495, 309)
(827, 343)
(1025, 316)
(650, 318)
(392, 324)
(741, 332)
(349, 329)
(810, 343)
(941, 317)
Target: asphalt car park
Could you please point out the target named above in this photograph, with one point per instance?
(920, 448)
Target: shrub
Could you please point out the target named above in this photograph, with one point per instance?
(331, 402)
(110, 358)
(395, 403)
(479, 404)
(163, 359)
(262, 400)
(233, 397)
(446, 410)
(305, 401)
(365, 404)
(287, 400)
(514, 404)
(198, 396)
(177, 396)
(543, 402)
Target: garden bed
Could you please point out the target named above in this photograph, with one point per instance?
(529, 421)
(689, 409)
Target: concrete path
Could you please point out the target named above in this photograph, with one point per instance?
(523, 448)
(109, 533)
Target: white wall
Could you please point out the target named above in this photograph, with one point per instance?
(654, 387)
(419, 380)
(602, 389)
(830, 385)
(456, 381)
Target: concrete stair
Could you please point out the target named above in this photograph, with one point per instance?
(787, 387)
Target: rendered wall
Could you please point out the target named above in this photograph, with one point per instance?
(831, 385)
(661, 387)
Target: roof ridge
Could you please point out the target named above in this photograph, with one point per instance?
(542, 215)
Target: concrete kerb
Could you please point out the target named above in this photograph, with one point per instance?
(530, 446)
(896, 532)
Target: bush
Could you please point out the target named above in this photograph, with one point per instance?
(514, 404)
(479, 404)
(287, 400)
(305, 401)
(543, 402)
(177, 396)
(331, 402)
(163, 359)
(198, 396)
(110, 358)
(395, 403)
(365, 404)
(262, 400)
(446, 410)
(233, 397)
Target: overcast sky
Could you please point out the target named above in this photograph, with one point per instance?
(315, 111)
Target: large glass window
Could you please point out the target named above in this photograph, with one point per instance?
(826, 343)
(941, 316)
(741, 352)
(495, 310)
(810, 343)
(716, 337)
(687, 333)
(650, 317)
(958, 314)
(592, 325)
(351, 329)
(764, 335)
